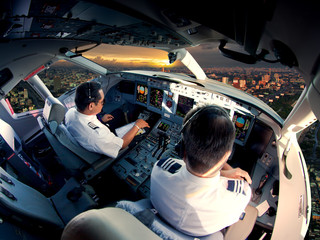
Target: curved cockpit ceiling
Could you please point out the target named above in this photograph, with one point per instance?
(85, 21)
(268, 30)
(160, 24)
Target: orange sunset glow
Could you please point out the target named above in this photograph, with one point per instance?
(129, 56)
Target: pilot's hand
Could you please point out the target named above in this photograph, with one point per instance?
(140, 123)
(236, 173)
(107, 117)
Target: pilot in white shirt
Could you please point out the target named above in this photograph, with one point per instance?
(193, 205)
(201, 194)
(92, 134)
(85, 127)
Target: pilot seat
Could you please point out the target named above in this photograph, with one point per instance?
(123, 222)
(24, 207)
(76, 159)
(25, 167)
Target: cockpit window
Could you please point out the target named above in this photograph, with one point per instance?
(23, 98)
(63, 76)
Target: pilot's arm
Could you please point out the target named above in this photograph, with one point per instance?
(236, 173)
(127, 138)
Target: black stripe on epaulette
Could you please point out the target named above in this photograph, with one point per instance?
(174, 168)
(92, 125)
(231, 185)
(161, 162)
(169, 165)
(236, 186)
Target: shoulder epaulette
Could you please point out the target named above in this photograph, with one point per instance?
(92, 125)
(236, 186)
(169, 165)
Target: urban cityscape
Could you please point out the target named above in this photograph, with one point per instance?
(278, 87)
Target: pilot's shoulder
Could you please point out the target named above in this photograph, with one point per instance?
(237, 186)
(92, 125)
(169, 164)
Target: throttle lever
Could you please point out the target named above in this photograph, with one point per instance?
(160, 143)
(164, 146)
(262, 182)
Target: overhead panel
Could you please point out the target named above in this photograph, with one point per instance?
(81, 20)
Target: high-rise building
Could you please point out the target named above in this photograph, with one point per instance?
(25, 93)
(242, 83)
(225, 80)
(236, 83)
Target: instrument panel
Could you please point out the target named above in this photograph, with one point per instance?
(172, 101)
(169, 100)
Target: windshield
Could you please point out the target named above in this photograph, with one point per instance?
(276, 85)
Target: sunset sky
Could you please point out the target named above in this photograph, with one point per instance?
(132, 56)
(207, 55)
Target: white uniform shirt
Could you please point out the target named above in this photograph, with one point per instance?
(193, 205)
(91, 134)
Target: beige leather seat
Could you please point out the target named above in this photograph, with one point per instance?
(119, 223)
(238, 231)
(107, 224)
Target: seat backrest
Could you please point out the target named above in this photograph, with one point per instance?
(106, 224)
(10, 136)
(53, 113)
(26, 204)
(72, 155)
(65, 137)
(160, 227)
(52, 118)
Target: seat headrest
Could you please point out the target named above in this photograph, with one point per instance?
(53, 113)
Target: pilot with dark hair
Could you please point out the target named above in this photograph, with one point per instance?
(88, 130)
(201, 194)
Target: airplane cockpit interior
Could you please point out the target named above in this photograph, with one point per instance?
(53, 188)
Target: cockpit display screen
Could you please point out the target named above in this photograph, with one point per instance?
(163, 126)
(156, 98)
(242, 124)
(142, 93)
(185, 104)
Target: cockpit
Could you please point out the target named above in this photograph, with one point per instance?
(164, 102)
(47, 178)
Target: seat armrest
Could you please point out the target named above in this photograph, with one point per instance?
(242, 229)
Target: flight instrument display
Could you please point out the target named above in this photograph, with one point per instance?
(142, 93)
(156, 98)
(242, 124)
(185, 104)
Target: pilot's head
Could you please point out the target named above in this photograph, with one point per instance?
(89, 97)
(208, 134)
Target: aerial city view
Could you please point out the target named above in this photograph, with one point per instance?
(278, 87)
